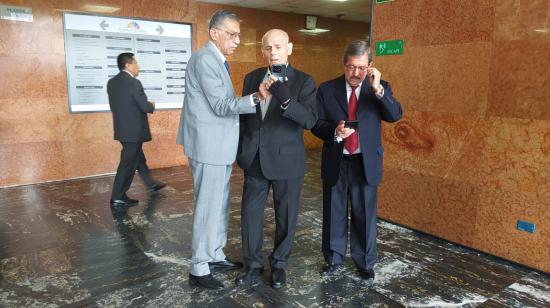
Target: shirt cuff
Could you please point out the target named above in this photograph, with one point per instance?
(285, 104)
(252, 100)
(336, 138)
(381, 94)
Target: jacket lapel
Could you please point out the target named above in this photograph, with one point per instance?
(214, 50)
(363, 95)
(340, 94)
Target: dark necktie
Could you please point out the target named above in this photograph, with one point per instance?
(227, 67)
(351, 143)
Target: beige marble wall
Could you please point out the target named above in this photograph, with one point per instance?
(41, 141)
(472, 154)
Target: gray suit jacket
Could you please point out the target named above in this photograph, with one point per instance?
(209, 122)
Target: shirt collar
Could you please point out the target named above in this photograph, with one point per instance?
(128, 73)
(348, 87)
(219, 52)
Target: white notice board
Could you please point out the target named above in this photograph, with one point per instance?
(93, 42)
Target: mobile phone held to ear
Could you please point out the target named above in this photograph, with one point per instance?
(279, 71)
(351, 124)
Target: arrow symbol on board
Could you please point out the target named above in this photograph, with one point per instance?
(104, 25)
(160, 30)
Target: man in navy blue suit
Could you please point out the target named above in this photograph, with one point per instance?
(350, 110)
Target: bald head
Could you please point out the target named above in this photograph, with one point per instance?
(276, 47)
(278, 33)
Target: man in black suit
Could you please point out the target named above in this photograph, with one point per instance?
(129, 106)
(272, 154)
(351, 163)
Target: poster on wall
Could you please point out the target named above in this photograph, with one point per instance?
(93, 42)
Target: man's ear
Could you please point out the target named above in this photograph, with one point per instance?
(289, 47)
(213, 34)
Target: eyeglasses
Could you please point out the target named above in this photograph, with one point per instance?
(232, 35)
(352, 68)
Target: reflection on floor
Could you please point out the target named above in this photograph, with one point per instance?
(62, 245)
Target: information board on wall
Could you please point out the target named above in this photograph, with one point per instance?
(92, 44)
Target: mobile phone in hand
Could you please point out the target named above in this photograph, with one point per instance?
(351, 124)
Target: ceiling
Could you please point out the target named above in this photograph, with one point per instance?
(357, 10)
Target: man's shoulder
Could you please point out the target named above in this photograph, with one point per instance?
(330, 84)
(203, 53)
(302, 74)
(256, 72)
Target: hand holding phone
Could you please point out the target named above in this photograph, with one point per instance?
(351, 124)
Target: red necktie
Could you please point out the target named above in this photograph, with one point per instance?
(351, 143)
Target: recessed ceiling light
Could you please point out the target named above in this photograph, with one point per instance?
(100, 8)
(314, 31)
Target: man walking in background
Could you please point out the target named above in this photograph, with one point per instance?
(130, 106)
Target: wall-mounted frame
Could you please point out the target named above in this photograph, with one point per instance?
(93, 42)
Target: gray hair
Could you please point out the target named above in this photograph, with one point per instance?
(356, 49)
(219, 16)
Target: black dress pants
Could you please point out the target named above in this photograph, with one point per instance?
(131, 159)
(351, 184)
(286, 200)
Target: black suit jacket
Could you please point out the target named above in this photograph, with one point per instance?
(279, 137)
(332, 106)
(129, 106)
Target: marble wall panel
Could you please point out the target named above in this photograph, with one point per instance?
(163, 151)
(31, 120)
(520, 79)
(31, 162)
(440, 78)
(505, 154)
(522, 19)
(442, 207)
(429, 143)
(471, 155)
(496, 233)
(33, 75)
(426, 23)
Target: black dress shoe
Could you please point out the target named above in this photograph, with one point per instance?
(124, 201)
(225, 264)
(329, 269)
(366, 274)
(207, 281)
(249, 276)
(157, 187)
(278, 277)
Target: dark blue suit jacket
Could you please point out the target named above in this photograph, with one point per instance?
(332, 107)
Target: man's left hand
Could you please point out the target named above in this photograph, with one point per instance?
(374, 78)
(280, 91)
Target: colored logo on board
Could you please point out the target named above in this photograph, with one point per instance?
(133, 25)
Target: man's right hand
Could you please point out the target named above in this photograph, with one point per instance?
(263, 92)
(342, 131)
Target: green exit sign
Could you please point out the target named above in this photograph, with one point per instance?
(394, 47)
(383, 1)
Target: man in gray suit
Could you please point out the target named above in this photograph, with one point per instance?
(209, 133)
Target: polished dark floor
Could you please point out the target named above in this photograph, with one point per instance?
(62, 245)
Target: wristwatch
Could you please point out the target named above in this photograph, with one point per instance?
(255, 98)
